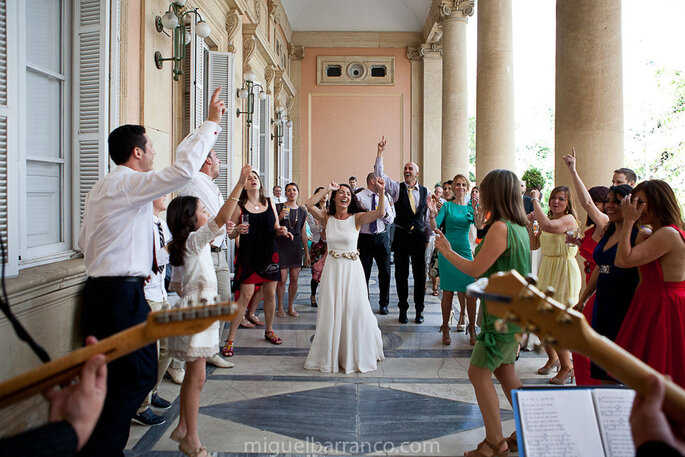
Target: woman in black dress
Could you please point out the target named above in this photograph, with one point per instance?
(293, 217)
(257, 257)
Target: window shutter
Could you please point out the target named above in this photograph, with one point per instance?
(220, 69)
(220, 74)
(193, 83)
(115, 62)
(254, 139)
(287, 154)
(91, 98)
(4, 109)
(264, 143)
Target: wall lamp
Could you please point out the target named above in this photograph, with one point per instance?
(281, 122)
(247, 91)
(176, 20)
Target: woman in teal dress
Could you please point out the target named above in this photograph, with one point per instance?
(455, 218)
(505, 247)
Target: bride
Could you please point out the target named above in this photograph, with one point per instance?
(347, 334)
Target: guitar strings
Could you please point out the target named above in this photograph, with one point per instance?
(19, 329)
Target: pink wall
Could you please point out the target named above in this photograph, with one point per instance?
(341, 125)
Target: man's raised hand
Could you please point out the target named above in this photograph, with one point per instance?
(381, 145)
(216, 107)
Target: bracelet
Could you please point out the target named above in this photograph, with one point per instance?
(233, 198)
(535, 199)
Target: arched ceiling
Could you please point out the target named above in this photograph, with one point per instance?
(357, 15)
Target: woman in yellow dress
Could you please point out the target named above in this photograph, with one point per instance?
(558, 268)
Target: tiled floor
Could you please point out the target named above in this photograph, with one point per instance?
(418, 402)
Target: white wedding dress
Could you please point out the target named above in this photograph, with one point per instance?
(347, 334)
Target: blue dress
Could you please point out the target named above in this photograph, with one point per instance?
(457, 220)
(615, 290)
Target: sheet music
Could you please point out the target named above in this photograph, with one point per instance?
(613, 412)
(560, 423)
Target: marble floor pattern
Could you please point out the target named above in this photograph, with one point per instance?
(418, 402)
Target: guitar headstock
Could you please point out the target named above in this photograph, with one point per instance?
(186, 321)
(515, 299)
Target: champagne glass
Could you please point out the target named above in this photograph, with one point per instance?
(245, 220)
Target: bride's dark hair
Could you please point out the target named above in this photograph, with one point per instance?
(180, 216)
(354, 207)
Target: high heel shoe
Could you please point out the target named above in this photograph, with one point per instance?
(548, 369)
(461, 325)
(493, 447)
(445, 329)
(560, 380)
(471, 331)
(227, 350)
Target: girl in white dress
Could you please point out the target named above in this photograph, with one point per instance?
(347, 333)
(194, 279)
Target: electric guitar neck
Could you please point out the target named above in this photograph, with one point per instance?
(159, 325)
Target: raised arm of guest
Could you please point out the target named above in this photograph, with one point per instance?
(560, 225)
(319, 213)
(494, 246)
(391, 186)
(600, 219)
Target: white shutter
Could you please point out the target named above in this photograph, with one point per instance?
(287, 154)
(115, 66)
(91, 98)
(193, 83)
(4, 200)
(264, 118)
(254, 138)
(221, 74)
(220, 69)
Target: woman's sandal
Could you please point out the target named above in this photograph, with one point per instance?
(312, 301)
(280, 313)
(227, 350)
(252, 317)
(512, 442)
(494, 447)
(246, 323)
(436, 292)
(547, 369)
(471, 331)
(293, 313)
(445, 329)
(272, 338)
(187, 450)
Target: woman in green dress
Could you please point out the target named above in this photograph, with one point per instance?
(505, 247)
(457, 217)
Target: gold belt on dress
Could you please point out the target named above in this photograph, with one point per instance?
(352, 255)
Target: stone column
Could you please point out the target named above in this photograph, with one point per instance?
(495, 146)
(455, 124)
(589, 89)
(296, 54)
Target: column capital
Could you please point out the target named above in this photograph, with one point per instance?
(296, 52)
(414, 53)
(455, 9)
(249, 45)
(426, 49)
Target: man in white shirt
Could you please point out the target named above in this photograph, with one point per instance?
(277, 191)
(203, 187)
(118, 248)
(374, 242)
(156, 296)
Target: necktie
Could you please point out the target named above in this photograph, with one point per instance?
(155, 267)
(373, 227)
(412, 202)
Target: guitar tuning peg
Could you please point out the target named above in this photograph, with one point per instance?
(531, 279)
(532, 328)
(544, 308)
(564, 318)
(550, 291)
(550, 340)
(500, 326)
(190, 302)
(203, 301)
(537, 348)
(216, 299)
(512, 317)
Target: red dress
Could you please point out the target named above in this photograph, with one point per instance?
(654, 327)
(581, 364)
